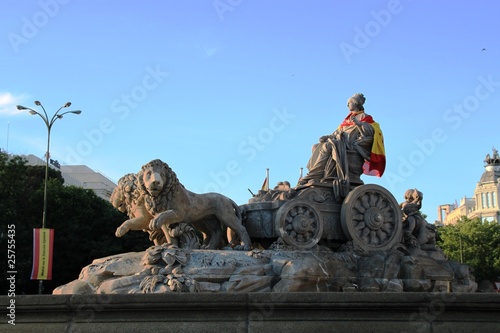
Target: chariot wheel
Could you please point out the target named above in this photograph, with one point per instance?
(370, 216)
(299, 224)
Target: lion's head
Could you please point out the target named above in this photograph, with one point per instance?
(158, 183)
(125, 193)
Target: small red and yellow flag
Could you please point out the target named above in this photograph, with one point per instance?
(265, 185)
(43, 246)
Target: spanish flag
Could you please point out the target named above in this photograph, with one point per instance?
(43, 246)
(376, 165)
(265, 185)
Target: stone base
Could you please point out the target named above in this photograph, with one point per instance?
(255, 312)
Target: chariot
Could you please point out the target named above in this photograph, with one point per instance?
(366, 214)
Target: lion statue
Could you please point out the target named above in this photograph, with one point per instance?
(169, 202)
(127, 199)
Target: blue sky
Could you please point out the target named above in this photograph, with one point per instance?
(222, 90)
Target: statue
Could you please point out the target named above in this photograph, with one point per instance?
(362, 243)
(169, 203)
(282, 191)
(487, 159)
(416, 231)
(127, 198)
(354, 148)
(495, 159)
(313, 237)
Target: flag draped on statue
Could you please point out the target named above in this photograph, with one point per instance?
(376, 165)
(43, 246)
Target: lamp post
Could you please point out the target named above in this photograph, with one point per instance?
(48, 122)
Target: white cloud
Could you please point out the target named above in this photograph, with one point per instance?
(8, 103)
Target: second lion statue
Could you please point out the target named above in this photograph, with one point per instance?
(169, 202)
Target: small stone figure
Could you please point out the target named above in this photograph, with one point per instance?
(282, 191)
(487, 159)
(354, 148)
(492, 160)
(495, 154)
(416, 231)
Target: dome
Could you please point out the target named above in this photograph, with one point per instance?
(490, 175)
(492, 168)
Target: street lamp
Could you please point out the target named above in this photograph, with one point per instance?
(49, 124)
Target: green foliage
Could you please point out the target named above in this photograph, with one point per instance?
(475, 243)
(84, 224)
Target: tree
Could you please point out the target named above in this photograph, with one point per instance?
(83, 223)
(474, 243)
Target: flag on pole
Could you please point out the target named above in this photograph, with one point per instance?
(265, 185)
(43, 246)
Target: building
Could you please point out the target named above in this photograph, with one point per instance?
(80, 176)
(484, 204)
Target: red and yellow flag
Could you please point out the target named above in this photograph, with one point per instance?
(376, 165)
(43, 246)
(265, 185)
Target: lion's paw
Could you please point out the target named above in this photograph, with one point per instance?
(120, 231)
(154, 224)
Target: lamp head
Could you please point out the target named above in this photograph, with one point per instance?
(38, 103)
(20, 107)
(67, 105)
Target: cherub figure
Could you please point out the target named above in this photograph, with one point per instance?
(417, 232)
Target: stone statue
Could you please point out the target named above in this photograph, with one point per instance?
(487, 159)
(282, 191)
(495, 159)
(342, 155)
(495, 154)
(127, 198)
(317, 244)
(169, 203)
(416, 231)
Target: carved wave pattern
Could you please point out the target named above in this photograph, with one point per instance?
(317, 195)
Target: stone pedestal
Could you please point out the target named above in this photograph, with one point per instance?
(255, 312)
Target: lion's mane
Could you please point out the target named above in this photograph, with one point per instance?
(128, 191)
(161, 202)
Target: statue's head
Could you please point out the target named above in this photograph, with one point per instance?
(355, 102)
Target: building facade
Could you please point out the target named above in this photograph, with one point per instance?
(484, 205)
(80, 176)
